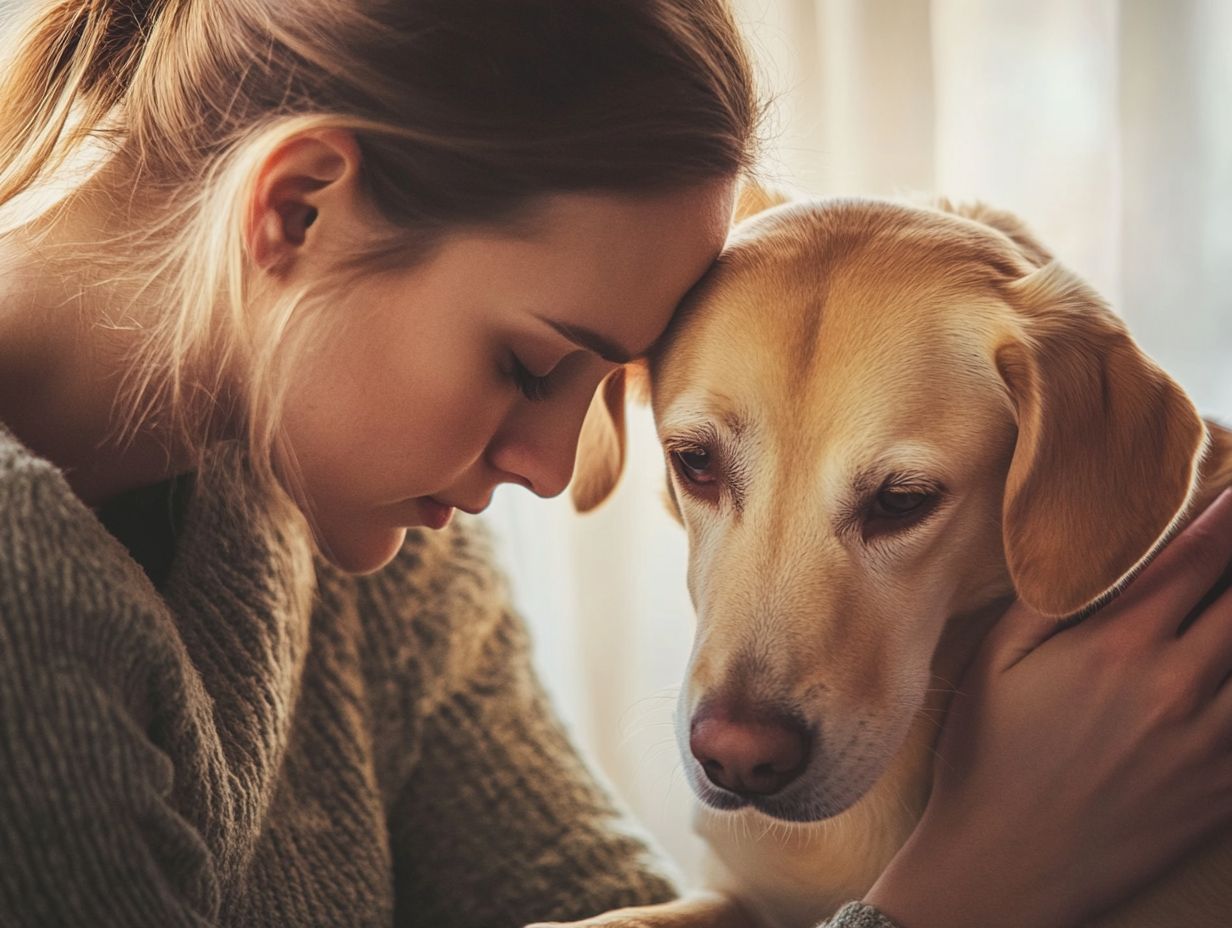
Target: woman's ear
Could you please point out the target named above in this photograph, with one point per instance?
(303, 177)
(1107, 453)
(601, 446)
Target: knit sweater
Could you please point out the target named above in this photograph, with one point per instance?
(205, 725)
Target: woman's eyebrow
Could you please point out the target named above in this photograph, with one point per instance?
(591, 341)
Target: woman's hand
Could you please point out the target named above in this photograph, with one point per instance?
(1075, 766)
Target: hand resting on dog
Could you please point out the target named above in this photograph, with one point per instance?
(997, 844)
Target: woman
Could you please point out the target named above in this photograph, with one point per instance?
(326, 271)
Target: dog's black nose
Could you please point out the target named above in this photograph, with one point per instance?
(749, 757)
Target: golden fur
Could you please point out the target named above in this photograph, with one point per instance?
(840, 344)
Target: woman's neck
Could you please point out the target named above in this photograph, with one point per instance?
(71, 316)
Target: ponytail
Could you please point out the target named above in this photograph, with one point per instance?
(73, 62)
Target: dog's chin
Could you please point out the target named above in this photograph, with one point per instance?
(810, 799)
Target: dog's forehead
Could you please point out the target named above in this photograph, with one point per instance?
(844, 291)
(838, 331)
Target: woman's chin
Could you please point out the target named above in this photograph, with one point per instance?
(363, 552)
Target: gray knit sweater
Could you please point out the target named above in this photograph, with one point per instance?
(204, 726)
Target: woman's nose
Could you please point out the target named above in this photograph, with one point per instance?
(539, 454)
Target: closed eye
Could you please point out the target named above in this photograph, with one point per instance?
(533, 386)
(898, 507)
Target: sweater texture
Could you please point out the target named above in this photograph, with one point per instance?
(202, 724)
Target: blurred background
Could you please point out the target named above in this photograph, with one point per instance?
(1106, 125)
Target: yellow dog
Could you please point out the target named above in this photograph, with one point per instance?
(882, 423)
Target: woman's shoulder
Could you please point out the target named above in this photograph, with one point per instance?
(27, 479)
(72, 602)
(42, 519)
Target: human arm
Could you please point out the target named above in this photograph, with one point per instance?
(706, 909)
(998, 842)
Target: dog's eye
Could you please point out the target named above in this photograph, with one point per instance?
(895, 509)
(695, 464)
(896, 503)
(898, 507)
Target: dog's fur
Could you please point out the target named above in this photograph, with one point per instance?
(838, 345)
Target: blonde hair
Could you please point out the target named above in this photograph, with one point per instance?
(465, 112)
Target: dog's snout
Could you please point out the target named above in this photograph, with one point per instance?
(757, 757)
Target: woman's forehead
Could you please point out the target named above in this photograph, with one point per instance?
(612, 266)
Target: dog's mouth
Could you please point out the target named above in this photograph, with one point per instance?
(784, 808)
(808, 800)
(833, 780)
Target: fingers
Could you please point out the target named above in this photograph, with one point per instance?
(1215, 745)
(1188, 569)
(1175, 582)
(1207, 642)
(1221, 713)
(1018, 632)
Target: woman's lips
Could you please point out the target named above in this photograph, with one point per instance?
(435, 514)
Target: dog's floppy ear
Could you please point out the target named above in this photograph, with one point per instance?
(1003, 221)
(756, 196)
(1107, 452)
(601, 446)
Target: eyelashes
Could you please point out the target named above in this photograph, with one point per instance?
(704, 468)
(695, 465)
(897, 507)
(532, 386)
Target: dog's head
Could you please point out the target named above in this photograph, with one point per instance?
(877, 418)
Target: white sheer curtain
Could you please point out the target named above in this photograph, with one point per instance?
(1107, 125)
